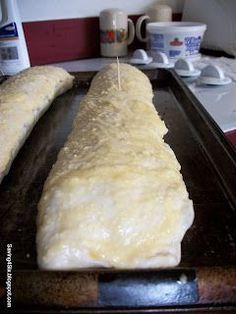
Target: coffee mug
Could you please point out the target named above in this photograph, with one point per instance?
(157, 13)
(117, 31)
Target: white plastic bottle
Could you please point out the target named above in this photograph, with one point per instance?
(13, 50)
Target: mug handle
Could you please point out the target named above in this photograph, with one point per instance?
(131, 31)
(138, 27)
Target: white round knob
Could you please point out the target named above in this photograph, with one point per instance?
(140, 54)
(213, 71)
(214, 75)
(140, 57)
(185, 68)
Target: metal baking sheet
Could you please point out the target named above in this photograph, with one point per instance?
(206, 275)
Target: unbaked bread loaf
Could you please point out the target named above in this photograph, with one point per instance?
(23, 99)
(115, 196)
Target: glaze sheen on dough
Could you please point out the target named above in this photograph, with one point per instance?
(115, 197)
(23, 99)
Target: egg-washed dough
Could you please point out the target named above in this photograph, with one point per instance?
(115, 196)
(23, 99)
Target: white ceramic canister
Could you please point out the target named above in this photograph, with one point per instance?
(175, 39)
(156, 13)
(116, 32)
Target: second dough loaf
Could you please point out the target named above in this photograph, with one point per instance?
(23, 100)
